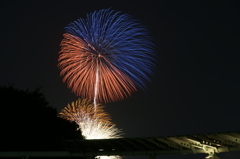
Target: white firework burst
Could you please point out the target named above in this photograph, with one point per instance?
(93, 122)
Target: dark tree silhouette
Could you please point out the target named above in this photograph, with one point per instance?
(28, 123)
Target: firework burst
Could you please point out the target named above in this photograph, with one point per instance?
(82, 111)
(106, 56)
(93, 123)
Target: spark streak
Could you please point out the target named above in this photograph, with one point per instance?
(96, 88)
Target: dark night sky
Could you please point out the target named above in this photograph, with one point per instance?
(195, 88)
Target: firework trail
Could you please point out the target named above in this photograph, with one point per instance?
(106, 56)
(93, 123)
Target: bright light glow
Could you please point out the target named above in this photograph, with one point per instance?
(94, 123)
(94, 129)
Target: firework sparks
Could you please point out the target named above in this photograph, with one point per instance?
(93, 123)
(94, 129)
(82, 111)
(106, 56)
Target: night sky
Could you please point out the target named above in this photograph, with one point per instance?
(195, 88)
